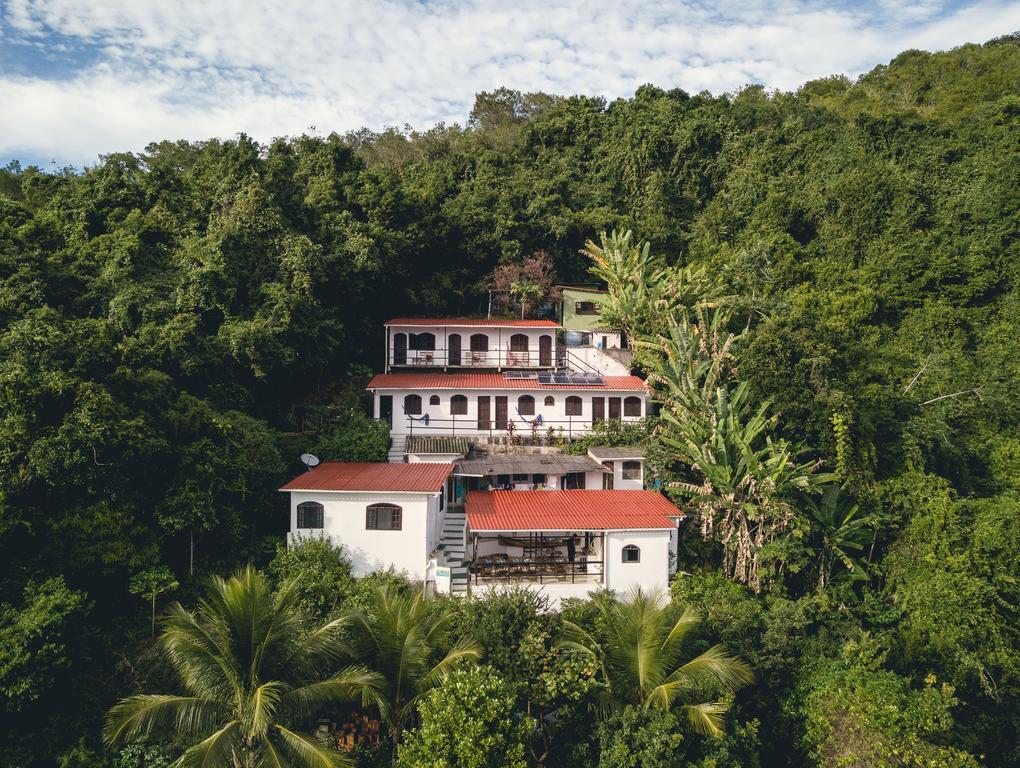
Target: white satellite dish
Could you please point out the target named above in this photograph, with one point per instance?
(309, 460)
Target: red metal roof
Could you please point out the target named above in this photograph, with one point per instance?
(491, 381)
(569, 510)
(337, 476)
(438, 322)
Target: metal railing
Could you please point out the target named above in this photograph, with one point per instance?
(538, 570)
(490, 358)
(523, 427)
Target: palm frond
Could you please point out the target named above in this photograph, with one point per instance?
(212, 752)
(145, 715)
(705, 718)
(347, 685)
(714, 665)
(310, 753)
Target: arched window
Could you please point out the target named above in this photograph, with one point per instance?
(631, 554)
(526, 405)
(573, 406)
(518, 343)
(309, 515)
(434, 400)
(479, 342)
(631, 470)
(383, 517)
(422, 342)
(550, 400)
(458, 405)
(412, 405)
(632, 406)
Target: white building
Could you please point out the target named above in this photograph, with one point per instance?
(484, 404)
(624, 466)
(569, 543)
(385, 515)
(458, 343)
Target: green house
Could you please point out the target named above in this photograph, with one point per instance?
(579, 308)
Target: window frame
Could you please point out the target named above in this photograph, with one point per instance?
(586, 308)
(549, 401)
(412, 397)
(526, 405)
(632, 406)
(458, 405)
(372, 516)
(573, 402)
(630, 470)
(302, 511)
(434, 400)
(628, 548)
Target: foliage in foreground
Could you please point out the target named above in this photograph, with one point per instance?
(255, 675)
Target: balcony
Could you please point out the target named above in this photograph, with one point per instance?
(485, 359)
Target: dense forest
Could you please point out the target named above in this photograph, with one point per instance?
(833, 273)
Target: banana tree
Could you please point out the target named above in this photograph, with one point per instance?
(842, 532)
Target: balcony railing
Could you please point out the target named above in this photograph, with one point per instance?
(551, 570)
(529, 428)
(492, 358)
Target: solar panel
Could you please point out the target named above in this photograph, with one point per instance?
(545, 378)
(561, 378)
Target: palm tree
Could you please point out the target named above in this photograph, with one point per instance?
(842, 532)
(253, 672)
(641, 654)
(407, 641)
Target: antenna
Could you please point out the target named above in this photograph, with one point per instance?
(309, 460)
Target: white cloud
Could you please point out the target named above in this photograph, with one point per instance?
(197, 68)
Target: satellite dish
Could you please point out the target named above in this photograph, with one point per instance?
(309, 460)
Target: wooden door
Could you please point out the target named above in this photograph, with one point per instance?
(545, 351)
(386, 409)
(598, 409)
(483, 413)
(453, 353)
(501, 411)
(400, 349)
(614, 408)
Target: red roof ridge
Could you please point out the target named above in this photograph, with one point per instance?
(480, 321)
(456, 380)
(364, 476)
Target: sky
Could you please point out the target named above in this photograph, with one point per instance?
(80, 78)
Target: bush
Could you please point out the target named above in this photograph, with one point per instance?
(470, 722)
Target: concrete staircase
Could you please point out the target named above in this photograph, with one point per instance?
(453, 550)
(398, 446)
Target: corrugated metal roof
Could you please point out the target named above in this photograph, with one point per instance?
(436, 444)
(527, 464)
(337, 476)
(493, 381)
(606, 453)
(568, 511)
(439, 322)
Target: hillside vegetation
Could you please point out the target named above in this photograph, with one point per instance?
(163, 313)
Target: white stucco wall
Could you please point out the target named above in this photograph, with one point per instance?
(651, 573)
(592, 359)
(619, 483)
(344, 522)
(442, 422)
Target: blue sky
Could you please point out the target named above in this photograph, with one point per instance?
(83, 77)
